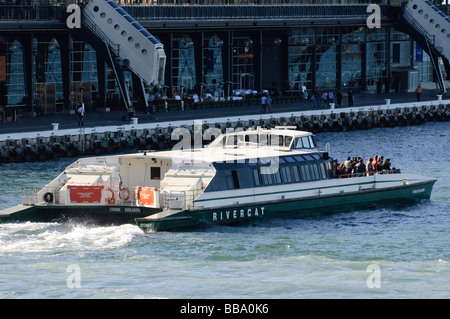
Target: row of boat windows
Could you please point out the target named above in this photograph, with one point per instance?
(271, 139)
(284, 175)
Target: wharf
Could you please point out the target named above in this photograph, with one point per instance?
(107, 132)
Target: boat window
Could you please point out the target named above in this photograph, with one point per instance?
(324, 170)
(277, 177)
(231, 140)
(267, 179)
(299, 158)
(257, 177)
(235, 178)
(305, 172)
(287, 140)
(315, 171)
(305, 141)
(281, 160)
(155, 173)
(289, 159)
(280, 140)
(286, 174)
(312, 141)
(263, 140)
(308, 157)
(298, 143)
(297, 175)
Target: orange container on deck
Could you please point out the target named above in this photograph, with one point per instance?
(147, 196)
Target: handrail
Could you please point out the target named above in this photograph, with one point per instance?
(416, 25)
(262, 11)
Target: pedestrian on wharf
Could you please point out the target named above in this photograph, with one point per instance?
(351, 98)
(418, 93)
(339, 98)
(81, 112)
(38, 104)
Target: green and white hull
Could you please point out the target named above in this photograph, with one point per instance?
(344, 195)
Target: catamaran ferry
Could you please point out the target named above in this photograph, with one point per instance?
(240, 176)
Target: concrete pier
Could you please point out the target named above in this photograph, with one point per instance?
(155, 135)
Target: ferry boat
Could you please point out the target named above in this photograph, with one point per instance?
(240, 176)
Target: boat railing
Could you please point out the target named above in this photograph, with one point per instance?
(362, 174)
(179, 199)
(29, 196)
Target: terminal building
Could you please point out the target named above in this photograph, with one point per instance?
(216, 48)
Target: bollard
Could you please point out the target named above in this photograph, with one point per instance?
(332, 106)
(135, 120)
(55, 126)
(439, 96)
(166, 106)
(388, 101)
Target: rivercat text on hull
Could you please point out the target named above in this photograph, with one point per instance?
(238, 177)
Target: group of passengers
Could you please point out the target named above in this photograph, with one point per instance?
(356, 167)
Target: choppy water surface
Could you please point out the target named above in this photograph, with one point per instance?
(382, 253)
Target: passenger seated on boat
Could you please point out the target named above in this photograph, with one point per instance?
(348, 163)
(369, 167)
(343, 171)
(360, 169)
(386, 165)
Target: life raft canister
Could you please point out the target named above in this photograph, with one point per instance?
(48, 197)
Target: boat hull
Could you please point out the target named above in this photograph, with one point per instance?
(364, 199)
(101, 214)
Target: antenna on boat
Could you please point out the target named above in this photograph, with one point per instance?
(327, 148)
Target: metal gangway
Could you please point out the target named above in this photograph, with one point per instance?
(430, 25)
(125, 39)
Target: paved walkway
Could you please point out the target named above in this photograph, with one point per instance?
(68, 121)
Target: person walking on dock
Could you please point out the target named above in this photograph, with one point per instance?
(38, 104)
(418, 93)
(351, 98)
(81, 112)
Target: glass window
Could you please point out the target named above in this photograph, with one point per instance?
(323, 170)
(277, 177)
(305, 172)
(212, 66)
(286, 174)
(305, 141)
(287, 140)
(297, 175)
(267, 179)
(315, 172)
(257, 177)
(183, 62)
(155, 173)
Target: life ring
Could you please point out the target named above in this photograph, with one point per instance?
(48, 197)
(137, 193)
(110, 196)
(128, 195)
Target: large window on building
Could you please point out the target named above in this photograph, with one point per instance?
(300, 51)
(84, 79)
(183, 60)
(351, 52)
(13, 75)
(212, 65)
(243, 58)
(376, 57)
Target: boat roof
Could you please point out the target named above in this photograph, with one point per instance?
(217, 151)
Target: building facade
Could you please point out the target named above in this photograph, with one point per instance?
(216, 47)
